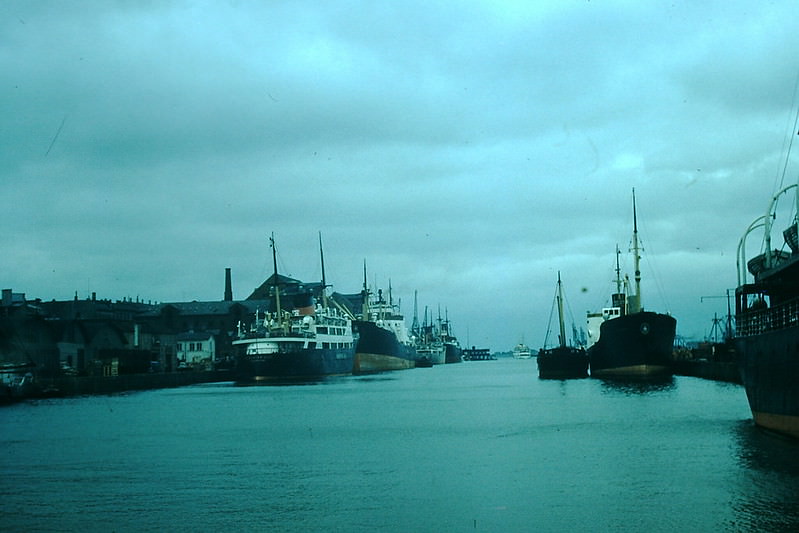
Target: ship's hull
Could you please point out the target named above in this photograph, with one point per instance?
(562, 363)
(378, 350)
(453, 353)
(769, 366)
(305, 363)
(634, 345)
(434, 354)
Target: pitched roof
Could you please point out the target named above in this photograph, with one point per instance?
(287, 286)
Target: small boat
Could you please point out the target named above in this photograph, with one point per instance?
(299, 339)
(767, 325)
(627, 341)
(562, 361)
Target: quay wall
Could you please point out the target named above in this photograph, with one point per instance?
(84, 385)
(713, 370)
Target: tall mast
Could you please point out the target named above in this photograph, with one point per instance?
(560, 314)
(415, 324)
(277, 286)
(636, 304)
(324, 284)
(365, 295)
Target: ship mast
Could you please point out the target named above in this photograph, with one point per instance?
(560, 314)
(324, 284)
(277, 286)
(415, 324)
(365, 295)
(619, 298)
(635, 304)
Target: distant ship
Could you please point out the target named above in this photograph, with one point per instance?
(430, 348)
(298, 339)
(767, 326)
(522, 351)
(628, 341)
(383, 341)
(435, 342)
(562, 361)
(453, 353)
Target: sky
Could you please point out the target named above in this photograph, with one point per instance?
(466, 152)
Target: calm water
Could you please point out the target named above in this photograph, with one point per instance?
(480, 446)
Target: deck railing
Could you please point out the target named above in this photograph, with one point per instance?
(775, 318)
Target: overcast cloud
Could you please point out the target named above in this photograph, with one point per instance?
(465, 150)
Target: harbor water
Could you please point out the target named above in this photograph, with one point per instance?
(477, 446)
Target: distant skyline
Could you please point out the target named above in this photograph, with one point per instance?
(468, 151)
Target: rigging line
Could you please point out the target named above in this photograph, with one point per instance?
(549, 322)
(571, 315)
(55, 137)
(791, 134)
(655, 273)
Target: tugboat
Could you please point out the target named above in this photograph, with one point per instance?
(307, 340)
(629, 342)
(767, 326)
(563, 361)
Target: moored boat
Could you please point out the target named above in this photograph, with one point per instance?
(562, 361)
(299, 339)
(767, 326)
(383, 340)
(625, 340)
(430, 347)
(453, 353)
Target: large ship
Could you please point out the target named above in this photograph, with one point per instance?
(301, 338)
(383, 341)
(624, 339)
(562, 361)
(453, 353)
(767, 325)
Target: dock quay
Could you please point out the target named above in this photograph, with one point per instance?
(64, 386)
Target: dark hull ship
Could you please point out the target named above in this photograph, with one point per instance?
(383, 342)
(378, 349)
(563, 361)
(628, 341)
(638, 344)
(452, 348)
(767, 328)
(303, 340)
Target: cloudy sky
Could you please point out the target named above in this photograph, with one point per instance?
(465, 150)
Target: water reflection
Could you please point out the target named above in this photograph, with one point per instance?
(629, 387)
(768, 490)
(283, 382)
